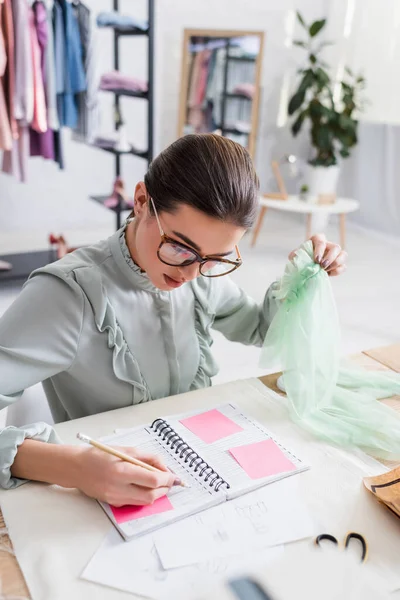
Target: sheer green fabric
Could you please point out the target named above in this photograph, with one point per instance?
(337, 403)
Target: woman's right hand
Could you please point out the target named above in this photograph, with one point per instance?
(117, 482)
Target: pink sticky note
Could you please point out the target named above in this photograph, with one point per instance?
(211, 426)
(262, 459)
(130, 513)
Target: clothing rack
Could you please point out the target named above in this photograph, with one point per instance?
(227, 44)
(148, 96)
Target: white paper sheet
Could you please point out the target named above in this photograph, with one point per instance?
(134, 566)
(267, 517)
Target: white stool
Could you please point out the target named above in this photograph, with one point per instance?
(293, 204)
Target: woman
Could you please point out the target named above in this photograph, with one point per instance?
(128, 320)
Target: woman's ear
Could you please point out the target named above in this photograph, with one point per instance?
(140, 198)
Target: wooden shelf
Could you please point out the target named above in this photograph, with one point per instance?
(131, 94)
(247, 59)
(132, 151)
(237, 96)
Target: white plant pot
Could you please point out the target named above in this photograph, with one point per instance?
(321, 181)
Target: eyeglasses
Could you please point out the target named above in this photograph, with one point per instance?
(173, 253)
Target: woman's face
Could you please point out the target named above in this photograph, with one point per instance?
(207, 235)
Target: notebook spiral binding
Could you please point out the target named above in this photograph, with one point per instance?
(196, 462)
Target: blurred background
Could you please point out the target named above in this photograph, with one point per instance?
(92, 91)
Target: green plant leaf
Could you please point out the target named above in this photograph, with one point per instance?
(296, 101)
(344, 153)
(345, 138)
(323, 137)
(299, 122)
(322, 77)
(319, 110)
(307, 80)
(360, 79)
(316, 27)
(313, 59)
(299, 43)
(347, 124)
(346, 87)
(300, 19)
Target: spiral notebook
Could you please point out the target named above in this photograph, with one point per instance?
(220, 453)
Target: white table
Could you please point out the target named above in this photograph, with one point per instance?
(55, 532)
(293, 204)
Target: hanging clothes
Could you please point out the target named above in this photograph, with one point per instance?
(9, 75)
(50, 67)
(15, 160)
(88, 124)
(42, 142)
(49, 78)
(8, 127)
(39, 121)
(68, 62)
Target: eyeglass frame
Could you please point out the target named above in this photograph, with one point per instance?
(197, 258)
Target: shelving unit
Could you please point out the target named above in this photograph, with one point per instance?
(147, 96)
(227, 96)
(24, 263)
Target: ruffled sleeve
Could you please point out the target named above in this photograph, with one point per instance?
(39, 337)
(11, 438)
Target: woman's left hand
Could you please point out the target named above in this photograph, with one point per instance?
(330, 256)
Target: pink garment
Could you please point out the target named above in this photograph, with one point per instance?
(15, 161)
(6, 139)
(118, 81)
(42, 144)
(202, 78)
(39, 122)
(246, 89)
(196, 69)
(9, 75)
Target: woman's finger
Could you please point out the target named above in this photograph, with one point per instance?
(337, 271)
(338, 262)
(331, 253)
(136, 496)
(150, 459)
(319, 243)
(131, 474)
(142, 496)
(154, 460)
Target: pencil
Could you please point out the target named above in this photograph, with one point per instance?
(122, 455)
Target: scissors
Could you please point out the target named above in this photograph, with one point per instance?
(350, 536)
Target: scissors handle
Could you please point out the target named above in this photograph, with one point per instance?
(357, 536)
(325, 536)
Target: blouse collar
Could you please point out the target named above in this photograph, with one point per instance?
(131, 270)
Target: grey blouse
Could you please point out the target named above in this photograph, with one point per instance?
(99, 336)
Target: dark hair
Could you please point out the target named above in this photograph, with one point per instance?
(209, 172)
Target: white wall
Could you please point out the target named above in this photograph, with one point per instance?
(58, 201)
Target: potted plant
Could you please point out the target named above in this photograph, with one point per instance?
(332, 120)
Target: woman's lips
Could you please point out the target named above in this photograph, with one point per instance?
(174, 283)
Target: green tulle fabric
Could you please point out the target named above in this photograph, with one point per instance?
(336, 402)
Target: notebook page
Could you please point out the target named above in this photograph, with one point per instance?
(247, 432)
(184, 501)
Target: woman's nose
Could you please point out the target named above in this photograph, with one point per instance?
(190, 272)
